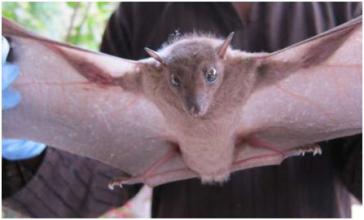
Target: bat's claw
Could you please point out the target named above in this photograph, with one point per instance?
(118, 182)
(125, 181)
(314, 149)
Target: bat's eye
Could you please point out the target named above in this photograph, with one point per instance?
(211, 75)
(175, 81)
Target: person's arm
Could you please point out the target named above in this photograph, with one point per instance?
(63, 186)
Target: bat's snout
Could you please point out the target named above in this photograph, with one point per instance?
(194, 110)
(195, 107)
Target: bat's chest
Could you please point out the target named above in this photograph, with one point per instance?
(207, 148)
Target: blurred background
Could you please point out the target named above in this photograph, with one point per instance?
(81, 24)
(78, 23)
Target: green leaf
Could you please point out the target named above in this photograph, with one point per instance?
(53, 19)
(73, 4)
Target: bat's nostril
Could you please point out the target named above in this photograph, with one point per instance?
(194, 108)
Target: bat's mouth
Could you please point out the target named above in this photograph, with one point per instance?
(196, 114)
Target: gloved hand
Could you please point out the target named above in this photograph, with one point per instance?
(14, 149)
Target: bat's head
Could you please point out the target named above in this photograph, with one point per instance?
(194, 72)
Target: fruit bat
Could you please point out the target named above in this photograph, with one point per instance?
(194, 108)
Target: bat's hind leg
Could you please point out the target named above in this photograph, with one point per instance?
(150, 171)
(256, 142)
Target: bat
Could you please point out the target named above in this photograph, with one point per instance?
(194, 108)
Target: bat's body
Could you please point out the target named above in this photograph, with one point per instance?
(198, 108)
(207, 141)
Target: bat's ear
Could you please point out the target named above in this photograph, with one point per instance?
(155, 55)
(224, 46)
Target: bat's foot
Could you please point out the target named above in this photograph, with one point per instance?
(117, 182)
(314, 149)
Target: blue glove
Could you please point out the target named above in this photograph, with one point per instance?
(14, 149)
(10, 71)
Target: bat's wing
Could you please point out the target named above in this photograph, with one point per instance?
(306, 93)
(83, 102)
(92, 104)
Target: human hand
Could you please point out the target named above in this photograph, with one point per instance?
(14, 149)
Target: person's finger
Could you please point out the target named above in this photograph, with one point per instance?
(10, 73)
(5, 49)
(10, 98)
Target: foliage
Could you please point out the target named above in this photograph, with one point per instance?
(78, 23)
